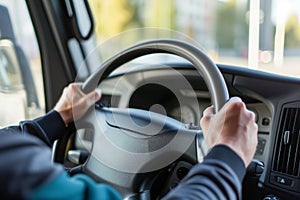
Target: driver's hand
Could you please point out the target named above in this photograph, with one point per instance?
(234, 126)
(74, 99)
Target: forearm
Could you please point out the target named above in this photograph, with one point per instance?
(27, 172)
(48, 128)
(218, 177)
(26, 164)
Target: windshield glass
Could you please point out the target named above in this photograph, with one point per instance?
(262, 35)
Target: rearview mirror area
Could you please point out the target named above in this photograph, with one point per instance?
(12, 92)
(83, 23)
(10, 74)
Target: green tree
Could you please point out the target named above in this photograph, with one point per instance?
(225, 24)
(161, 14)
(292, 32)
(111, 16)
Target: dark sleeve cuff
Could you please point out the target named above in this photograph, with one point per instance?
(228, 156)
(53, 125)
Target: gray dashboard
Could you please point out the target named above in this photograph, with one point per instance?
(177, 90)
(157, 90)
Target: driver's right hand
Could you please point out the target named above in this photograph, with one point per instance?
(234, 126)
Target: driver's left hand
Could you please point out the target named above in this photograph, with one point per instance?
(73, 99)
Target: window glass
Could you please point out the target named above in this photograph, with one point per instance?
(21, 82)
(262, 35)
(10, 75)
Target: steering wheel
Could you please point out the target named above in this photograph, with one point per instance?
(132, 146)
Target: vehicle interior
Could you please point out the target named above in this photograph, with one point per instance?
(159, 65)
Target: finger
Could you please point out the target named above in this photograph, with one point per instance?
(98, 93)
(93, 96)
(235, 104)
(235, 99)
(231, 101)
(208, 112)
(207, 115)
(251, 115)
(71, 91)
(77, 84)
(77, 88)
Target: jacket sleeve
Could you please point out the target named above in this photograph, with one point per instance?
(219, 176)
(25, 164)
(26, 160)
(47, 132)
(27, 171)
(78, 187)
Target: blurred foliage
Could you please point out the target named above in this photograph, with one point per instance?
(292, 32)
(161, 14)
(225, 24)
(111, 16)
(231, 28)
(115, 16)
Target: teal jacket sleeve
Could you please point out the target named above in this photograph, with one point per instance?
(78, 187)
(27, 171)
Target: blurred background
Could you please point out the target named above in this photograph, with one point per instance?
(221, 27)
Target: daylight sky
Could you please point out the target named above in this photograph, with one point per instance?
(282, 9)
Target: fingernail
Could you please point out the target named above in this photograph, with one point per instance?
(235, 99)
(99, 91)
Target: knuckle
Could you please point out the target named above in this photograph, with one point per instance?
(251, 116)
(72, 86)
(236, 107)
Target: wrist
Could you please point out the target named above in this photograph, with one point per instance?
(235, 148)
(227, 155)
(66, 116)
(52, 132)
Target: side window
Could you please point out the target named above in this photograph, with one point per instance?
(10, 75)
(21, 80)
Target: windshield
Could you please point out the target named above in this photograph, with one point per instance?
(262, 35)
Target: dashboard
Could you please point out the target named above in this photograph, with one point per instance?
(178, 91)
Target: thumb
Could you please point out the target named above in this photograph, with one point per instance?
(93, 96)
(207, 115)
(235, 99)
(208, 112)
